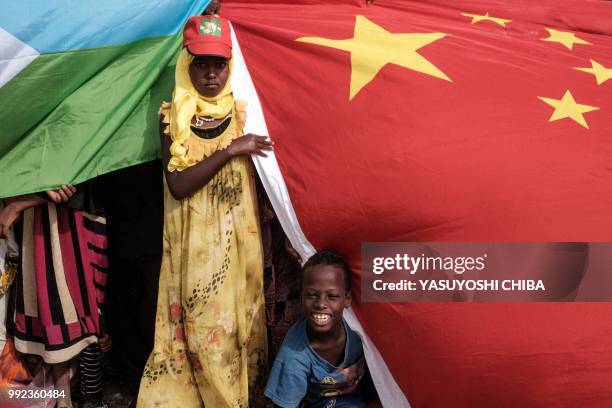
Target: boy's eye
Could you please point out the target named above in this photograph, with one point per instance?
(221, 65)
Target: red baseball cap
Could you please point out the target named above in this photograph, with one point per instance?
(208, 35)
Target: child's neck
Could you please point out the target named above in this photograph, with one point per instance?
(330, 345)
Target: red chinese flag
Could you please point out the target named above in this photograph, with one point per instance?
(450, 121)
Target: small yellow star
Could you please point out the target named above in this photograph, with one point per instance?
(478, 18)
(567, 107)
(372, 47)
(602, 74)
(566, 38)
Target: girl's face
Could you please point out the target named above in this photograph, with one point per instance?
(209, 74)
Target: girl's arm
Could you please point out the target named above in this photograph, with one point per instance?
(14, 208)
(184, 183)
(16, 205)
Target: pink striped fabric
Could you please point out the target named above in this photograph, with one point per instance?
(59, 294)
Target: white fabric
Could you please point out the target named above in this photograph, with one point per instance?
(268, 169)
(389, 392)
(15, 55)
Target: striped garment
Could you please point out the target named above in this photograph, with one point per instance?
(60, 283)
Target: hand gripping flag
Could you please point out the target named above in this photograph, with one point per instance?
(446, 121)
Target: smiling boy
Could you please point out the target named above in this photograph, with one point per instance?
(321, 362)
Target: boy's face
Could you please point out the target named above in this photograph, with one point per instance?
(324, 297)
(209, 74)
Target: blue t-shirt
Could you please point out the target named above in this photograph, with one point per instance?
(300, 375)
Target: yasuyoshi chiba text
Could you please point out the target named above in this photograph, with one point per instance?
(460, 284)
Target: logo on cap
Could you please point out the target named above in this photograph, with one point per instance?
(210, 26)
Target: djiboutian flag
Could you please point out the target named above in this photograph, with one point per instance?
(80, 85)
(393, 121)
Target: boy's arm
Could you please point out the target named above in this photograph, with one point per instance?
(287, 383)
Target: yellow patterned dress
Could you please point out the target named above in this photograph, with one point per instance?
(210, 337)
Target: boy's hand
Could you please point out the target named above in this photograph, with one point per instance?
(62, 194)
(250, 144)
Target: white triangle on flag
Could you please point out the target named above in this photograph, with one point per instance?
(15, 55)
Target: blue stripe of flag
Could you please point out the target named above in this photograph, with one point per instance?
(51, 26)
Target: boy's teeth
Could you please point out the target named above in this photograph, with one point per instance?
(321, 317)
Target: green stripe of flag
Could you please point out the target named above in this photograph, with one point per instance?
(72, 116)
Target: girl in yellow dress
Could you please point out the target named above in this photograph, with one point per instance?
(210, 336)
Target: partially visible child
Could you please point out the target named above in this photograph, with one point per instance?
(321, 362)
(60, 281)
(8, 267)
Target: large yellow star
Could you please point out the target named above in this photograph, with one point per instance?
(478, 18)
(372, 47)
(567, 107)
(566, 38)
(602, 74)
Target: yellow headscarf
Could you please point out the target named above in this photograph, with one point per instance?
(187, 102)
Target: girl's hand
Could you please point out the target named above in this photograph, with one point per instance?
(8, 216)
(62, 194)
(250, 144)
